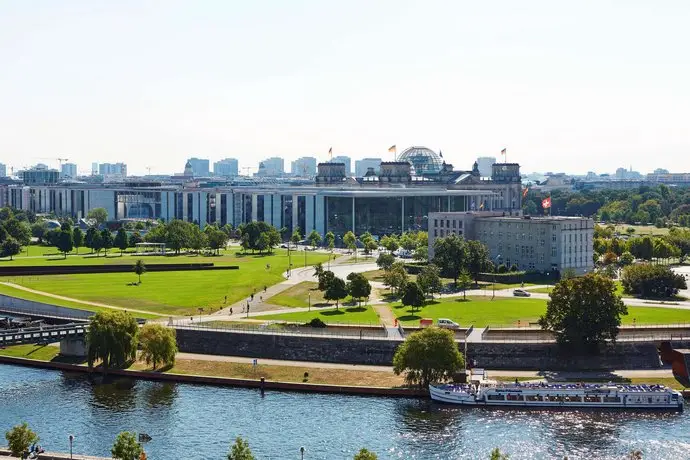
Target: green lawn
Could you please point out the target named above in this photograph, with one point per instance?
(547, 290)
(344, 315)
(482, 311)
(298, 296)
(171, 293)
(642, 230)
(38, 352)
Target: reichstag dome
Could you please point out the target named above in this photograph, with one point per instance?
(423, 160)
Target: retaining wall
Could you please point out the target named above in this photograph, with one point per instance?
(24, 307)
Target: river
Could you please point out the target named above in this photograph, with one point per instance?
(198, 422)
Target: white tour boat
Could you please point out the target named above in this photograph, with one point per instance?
(482, 392)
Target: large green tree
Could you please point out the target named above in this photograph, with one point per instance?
(158, 344)
(429, 279)
(126, 447)
(112, 339)
(336, 290)
(106, 240)
(395, 277)
(478, 259)
(314, 238)
(65, 242)
(10, 248)
(429, 355)
(240, 450)
(450, 255)
(584, 312)
(121, 240)
(100, 215)
(18, 230)
(77, 238)
(413, 296)
(653, 281)
(385, 261)
(358, 286)
(19, 439)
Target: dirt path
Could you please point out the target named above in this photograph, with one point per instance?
(83, 302)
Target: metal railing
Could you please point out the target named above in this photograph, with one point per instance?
(43, 314)
(41, 334)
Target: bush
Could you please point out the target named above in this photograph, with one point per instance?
(657, 281)
(502, 268)
(316, 322)
(514, 268)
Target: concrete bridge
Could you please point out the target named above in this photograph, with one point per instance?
(72, 337)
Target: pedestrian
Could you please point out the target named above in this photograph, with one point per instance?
(252, 297)
(261, 298)
(264, 288)
(225, 300)
(231, 310)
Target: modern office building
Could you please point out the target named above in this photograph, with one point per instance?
(304, 167)
(395, 200)
(226, 168)
(112, 169)
(485, 164)
(347, 161)
(365, 164)
(271, 167)
(200, 167)
(68, 171)
(94, 169)
(3, 170)
(532, 243)
(39, 175)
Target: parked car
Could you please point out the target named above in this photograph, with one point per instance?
(521, 293)
(447, 323)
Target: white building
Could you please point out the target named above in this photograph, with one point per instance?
(271, 167)
(304, 167)
(361, 166)
(68, 171)
(344, 160)
(484, 165)
(226, 168)
(200, 167)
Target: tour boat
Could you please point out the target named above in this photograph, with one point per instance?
(483, 392)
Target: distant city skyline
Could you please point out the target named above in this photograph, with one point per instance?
(591, 86)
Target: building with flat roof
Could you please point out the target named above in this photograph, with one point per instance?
(485, 164)
(271, 167)
(3, 170)
(112, 169)
(304, 167)
(68, 171)
(200, 167)
(363, 165)
(39, 174)
(347, 161)
(226, 168)
(532, 243)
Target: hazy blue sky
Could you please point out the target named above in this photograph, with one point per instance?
(565, 86)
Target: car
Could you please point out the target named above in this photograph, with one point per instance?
(521, 293)
(447, 323)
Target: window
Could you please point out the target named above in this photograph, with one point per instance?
(456, 221)
(435, 222)
(435, 232)
(500, 234)
(447, 223)
(442, 223)
(553, 237)
(553, 251)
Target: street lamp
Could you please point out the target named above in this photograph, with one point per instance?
(305, 257)
(309, 300)
(493, 286)
(301, 451)
(71, 440)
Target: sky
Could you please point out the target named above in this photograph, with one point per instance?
(563, 86)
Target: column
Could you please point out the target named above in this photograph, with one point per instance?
(353, 214)
(203, 208)
(230, 210)
(402, 215)
(195, 206)
(184, 207)
(448, 204)
(295, 205)
(255, 206)
(309, 214)
(218, 205)
(277, 211)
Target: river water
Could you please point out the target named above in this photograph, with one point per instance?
(199, 422)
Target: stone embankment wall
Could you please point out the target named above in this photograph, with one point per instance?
(29, 308)
(639, 355)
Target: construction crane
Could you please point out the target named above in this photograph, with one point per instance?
(60, 160)
(148, 169)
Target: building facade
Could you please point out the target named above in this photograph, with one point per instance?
(347, 161)
(3, 170)
(68, 171)
(304, 167)
(226, 168)
(112, 169)
(363, 165)
(532, 243)
(200, 167)
(271, 167)
(485, 164)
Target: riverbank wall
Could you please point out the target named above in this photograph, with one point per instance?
(489, 355)
(4, 453)
(222, 381)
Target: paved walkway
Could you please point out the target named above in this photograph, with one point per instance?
(84, 302)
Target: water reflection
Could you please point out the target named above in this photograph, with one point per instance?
(160, 394)
(113, 393)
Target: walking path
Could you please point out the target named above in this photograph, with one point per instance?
(389, 320)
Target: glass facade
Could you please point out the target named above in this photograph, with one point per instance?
(378, 216)
(338, 214)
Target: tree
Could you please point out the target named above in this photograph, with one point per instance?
(240, 450)
(88, 238)
(126, 447)
(158, 344)
(97, 242)
(330, 240)
(134, 239)
(121, 240)
(370, 245)
(65, 243)
(412, 295)
(100, 215)
(112, 338)
(296, 237)
(10, 248)
(610, 258)
(18, 230)
(77, 238)
(385, 261)
(496, 454)
(478, 259)
(429, 279)
(358, 286)
(626, 259)
(176, 235)
(450, 255)
(262, 242)
(336, 290)
(139, 268)
(365, 454)
(325, 278)
(314, 239)
(426, 356)
(390, 242)
(196, 238)
(584, 312)
(19, 439)
(654, 281)
(350, 241)
(464, 281)
(396, 277)
(106, 240)
(38, 230)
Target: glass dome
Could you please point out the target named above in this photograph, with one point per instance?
(424, 160)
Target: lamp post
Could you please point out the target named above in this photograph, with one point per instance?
(309, 301)
(71, 440)
(301, 451)
(493, 286)
(305, 257)
(289, 259)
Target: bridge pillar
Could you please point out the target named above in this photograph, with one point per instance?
(73, 347)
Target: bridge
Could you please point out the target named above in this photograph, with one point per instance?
(70, 336)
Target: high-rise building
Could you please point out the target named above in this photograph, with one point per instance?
(94, 168)
(346, 161)
(200, 167)
(361, 166)
(304, 167)
(68, 171)
(484, 164)
(226, 168)
(3, 170)
(112, 169)
(271, 167)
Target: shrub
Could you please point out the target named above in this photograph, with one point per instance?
(315, 322)
(646, 280)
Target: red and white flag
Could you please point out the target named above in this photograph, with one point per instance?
(546, 203)
(503, 152)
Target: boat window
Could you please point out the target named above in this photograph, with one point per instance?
(534, 398)
(496, 398)
(612, 399)
(592, 399)
(515, 398)
(573, 399)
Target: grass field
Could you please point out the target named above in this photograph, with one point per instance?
(38, 352)
(482, 311)
(173, 293)
(344, 315)
(298, 296)
(547, 290)
(642, 230)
